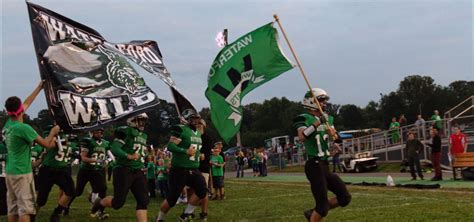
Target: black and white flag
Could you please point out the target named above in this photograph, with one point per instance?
(89, 82)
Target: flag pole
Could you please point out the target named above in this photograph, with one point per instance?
(239, 141)
(300, 67)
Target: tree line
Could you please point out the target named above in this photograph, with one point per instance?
(274, 117)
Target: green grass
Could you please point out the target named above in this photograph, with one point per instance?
(254, 200)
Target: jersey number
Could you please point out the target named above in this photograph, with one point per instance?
(318, 140)
(98, 156)
(139, 149)
(63, 154)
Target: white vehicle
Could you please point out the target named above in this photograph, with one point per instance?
(277, 144)
(360, 162)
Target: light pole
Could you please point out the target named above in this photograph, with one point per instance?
(381, 109)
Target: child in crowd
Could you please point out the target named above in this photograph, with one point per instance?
(217, 163)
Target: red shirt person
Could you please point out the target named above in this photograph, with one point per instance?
(457, 141)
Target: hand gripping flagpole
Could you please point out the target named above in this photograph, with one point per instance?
(303, 74)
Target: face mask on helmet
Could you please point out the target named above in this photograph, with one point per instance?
(138, 122)
(97, 134)
(322, 97)
(190, 117)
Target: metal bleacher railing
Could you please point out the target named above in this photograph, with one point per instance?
(461, 115)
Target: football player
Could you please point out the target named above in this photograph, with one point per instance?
(185, 144)
(56, 170)
(128, 148)
(37, 156)
(313, 131)
(92, 170)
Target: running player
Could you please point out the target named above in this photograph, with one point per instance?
(92, 170)
(129, 150)
(56, 170)
(313, 131)
(185, 144)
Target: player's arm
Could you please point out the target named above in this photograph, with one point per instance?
(304, 131)
(49, 141)
(32, 96)
(37, 162)
(175, 140)
(118, 143)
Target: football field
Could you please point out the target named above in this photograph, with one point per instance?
(254, 199)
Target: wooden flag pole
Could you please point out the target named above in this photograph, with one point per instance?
(226, 33)
(302, 71)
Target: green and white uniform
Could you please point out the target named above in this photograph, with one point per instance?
(36, 151)
(317, 143)
(96, 149)
(129, 141)
(189, 138)
(61, 156)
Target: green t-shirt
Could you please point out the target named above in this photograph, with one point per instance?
(129, 140)
(150, 173)
(437, 119)
(96, 149)
(3, 158)
(255, 158)
(19, 137)
(162, 172)
(189, 138)
(217, 171)
(316, 144)
(36, 151)
(60, 157)
(394, 126)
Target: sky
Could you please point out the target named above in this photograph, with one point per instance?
(355, 50)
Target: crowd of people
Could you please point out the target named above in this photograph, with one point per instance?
(414, 145)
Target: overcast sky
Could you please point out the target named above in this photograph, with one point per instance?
(353, 49)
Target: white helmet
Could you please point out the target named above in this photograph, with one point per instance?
(308, 101)
(138, 121)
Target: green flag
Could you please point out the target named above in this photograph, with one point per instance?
(240, 67)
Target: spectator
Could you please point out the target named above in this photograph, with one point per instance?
(457, 141)
(150, 175)
(413, 148)
(239, 157)
(395, 132)
(437, 122)
(279, 149)
(255, 159)
(264, 163)
(19, 176)
(436, 154)
(217, 163)
(260, 163)
(289, 154)
(403, 122)
(420, 125)
(335, 153)
(162, 171)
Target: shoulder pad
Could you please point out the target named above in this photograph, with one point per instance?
(121, 132)
(176, 130)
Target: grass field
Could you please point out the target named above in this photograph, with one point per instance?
(254, 200)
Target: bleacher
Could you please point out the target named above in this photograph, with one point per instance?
(382, 145)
